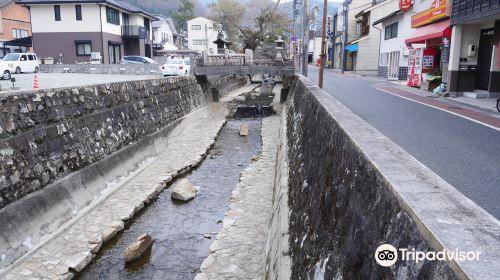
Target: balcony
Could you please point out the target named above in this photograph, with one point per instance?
(135, 32)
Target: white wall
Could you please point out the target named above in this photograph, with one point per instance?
(163, 31)
(211, 34)
(315, 47)
(471, 34)
(109, 27)
(43, 19)
(398, 43)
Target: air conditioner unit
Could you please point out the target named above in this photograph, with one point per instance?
(95, 58)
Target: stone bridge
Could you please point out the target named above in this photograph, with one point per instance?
(240, 65)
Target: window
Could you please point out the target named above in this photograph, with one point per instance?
(57, 12)
(83, 48)
(114, 52)
(384, 59)
(125, 18)
(23, 57)
(365, 24)
(391, 31)
(199, 42)
(112, 16)
(78, 11)
(19, 33)
(31, 57)
(196, 27)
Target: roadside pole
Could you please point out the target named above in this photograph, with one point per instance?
(306, 37)
(323, 45)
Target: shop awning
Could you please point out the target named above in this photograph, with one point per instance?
(431, 31)
(352, 48)
(20, 42)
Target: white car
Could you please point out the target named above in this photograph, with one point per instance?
(176, 67)
(19, 63)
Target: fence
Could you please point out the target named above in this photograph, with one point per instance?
(125, 69)
(238, 60)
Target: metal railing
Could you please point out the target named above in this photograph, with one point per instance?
(135, 31)
(238, 60)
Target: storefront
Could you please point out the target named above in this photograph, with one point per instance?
(474, 53)
(428, 43)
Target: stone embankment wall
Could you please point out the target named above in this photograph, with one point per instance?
(52, 133)
(351, 190)
(124, 69)
(216, 87)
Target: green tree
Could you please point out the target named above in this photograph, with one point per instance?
(228, 13)
(184, 13)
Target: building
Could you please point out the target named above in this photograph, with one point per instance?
(428, 42)
(474, 49)
(164, 34)
(395, 27)
(69, 31)
(365, 48)
(15, 28)
(201, 35)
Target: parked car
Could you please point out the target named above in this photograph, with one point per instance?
(19, 63)
(5, 71)
(135, 59)
(176, 67)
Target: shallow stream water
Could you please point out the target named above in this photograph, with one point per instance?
(178, 228)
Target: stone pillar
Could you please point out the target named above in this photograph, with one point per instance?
(248, 57)
(454, 61)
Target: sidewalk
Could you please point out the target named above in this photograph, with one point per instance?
(483, 104)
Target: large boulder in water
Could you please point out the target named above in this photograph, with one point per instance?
(136, 249)
(184, 190)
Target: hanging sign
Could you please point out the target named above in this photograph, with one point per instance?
(404, 5)
(436, 11)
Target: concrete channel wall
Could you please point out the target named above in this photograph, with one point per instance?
(351, 190)
(60, 149)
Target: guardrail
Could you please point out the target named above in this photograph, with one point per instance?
(238, 60)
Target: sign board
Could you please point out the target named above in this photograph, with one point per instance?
(329, 26)
(437, 11)
(404, 5)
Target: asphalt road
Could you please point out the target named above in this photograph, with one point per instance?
(464, 153)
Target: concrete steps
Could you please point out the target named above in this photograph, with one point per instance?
(476, 94)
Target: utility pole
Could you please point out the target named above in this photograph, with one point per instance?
(344, 45)
(305, 10)
(323, 45)
(301, 37)
(206, 39)
(294, 27)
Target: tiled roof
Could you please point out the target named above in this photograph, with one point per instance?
(115, 3)
(4, 2)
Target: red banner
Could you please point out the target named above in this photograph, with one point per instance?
(404, 5)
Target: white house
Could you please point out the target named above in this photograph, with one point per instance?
(69, 31)
(164, 34)
(201, 34)
(395, 27)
